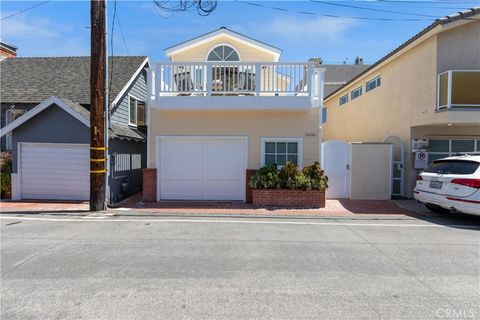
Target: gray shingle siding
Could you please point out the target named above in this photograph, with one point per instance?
(137, 89)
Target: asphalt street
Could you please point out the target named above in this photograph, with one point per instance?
(99, 267)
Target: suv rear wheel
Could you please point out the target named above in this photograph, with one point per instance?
(436, 209)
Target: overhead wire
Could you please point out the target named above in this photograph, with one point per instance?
(25, 10)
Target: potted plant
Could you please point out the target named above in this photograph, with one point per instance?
(289, 187)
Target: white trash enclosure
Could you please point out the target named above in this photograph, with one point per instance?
(201, 167)
(358, 170)
(50, 171)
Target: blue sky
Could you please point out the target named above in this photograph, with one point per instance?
(59, 28)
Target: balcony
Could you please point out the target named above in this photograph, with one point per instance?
(459, 90)
(235, 85)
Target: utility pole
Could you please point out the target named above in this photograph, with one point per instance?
(98, 150)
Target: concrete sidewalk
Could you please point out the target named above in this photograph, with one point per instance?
(134, 205)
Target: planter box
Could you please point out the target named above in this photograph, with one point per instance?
(288, 198)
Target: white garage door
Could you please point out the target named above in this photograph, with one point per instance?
(202, 168)
(54, 171)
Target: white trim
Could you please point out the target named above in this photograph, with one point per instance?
(39, 108)
(136, 107)
(130, 82)
(379, 76)
(223, 44)
(285, 103)
(196, 137)
(218, 33)
(299, 141)
(345, 95)
(355, 89)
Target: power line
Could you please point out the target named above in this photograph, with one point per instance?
(330, 15)
(122, 34)
(111, 49)
(27, 9)
(372, 9)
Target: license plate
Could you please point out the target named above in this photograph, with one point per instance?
(436, 184)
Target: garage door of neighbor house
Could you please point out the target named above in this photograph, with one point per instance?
(50, 171)
(336, 164)
(202, 167)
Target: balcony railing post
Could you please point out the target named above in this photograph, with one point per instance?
(209, 80)
(158, 80)
(449, 90)
(258, 69)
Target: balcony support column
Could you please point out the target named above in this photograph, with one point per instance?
(317, 79)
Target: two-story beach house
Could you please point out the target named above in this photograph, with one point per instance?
(423, 97)
(221, 105)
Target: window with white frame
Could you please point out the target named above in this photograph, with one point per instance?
(136, 112)
(357, 92)
(223, 53)
(279, 151)
(440, 148)
(343, 99)
(372, 84)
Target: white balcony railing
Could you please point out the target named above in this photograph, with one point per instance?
(232, 79)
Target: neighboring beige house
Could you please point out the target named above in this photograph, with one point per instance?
(224, 104)
(428, 88)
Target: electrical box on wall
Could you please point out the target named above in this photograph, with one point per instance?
(419, 145)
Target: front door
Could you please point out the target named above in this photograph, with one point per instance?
(336, 164)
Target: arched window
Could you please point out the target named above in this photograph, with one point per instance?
(223, 53)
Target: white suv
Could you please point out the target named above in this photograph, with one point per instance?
(451, 184)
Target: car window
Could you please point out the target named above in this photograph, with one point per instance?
(453, 167)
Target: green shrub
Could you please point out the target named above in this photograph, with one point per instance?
(289, 177)
(265, 178)
(5, 171)
(319, 181)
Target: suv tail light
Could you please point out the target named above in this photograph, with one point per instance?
(419, 177)
(473, 183)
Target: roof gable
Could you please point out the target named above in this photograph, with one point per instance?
(222, 32)
(72, 108)
(35, 79)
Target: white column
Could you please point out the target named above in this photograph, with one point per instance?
(317, 82)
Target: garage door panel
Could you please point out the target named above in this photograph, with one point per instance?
(202, 168)
(217, 156)
(181, 157)
(223, 189)
(55, 171)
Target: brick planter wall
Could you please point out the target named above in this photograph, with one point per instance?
(288, 198)
(149, 185)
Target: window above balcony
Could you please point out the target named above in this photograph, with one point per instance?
(459, 90)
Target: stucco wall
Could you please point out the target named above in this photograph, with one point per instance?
(247, 52)
(459, 48)
(406, 97)
(370, 171)
(253, 124)
(52, 125)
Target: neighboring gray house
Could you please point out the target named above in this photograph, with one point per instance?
(337, 75)
(45, 121)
